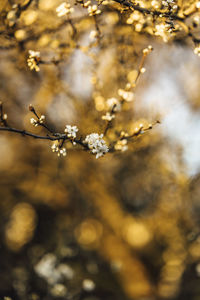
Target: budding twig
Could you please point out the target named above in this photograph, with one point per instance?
(3, 117)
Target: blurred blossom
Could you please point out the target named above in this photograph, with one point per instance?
(89, 233)
(88, 285)
(21, 226)
(136, 233)
(49, 269)
(6, 153)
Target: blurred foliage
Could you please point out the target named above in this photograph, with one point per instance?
(121, 227)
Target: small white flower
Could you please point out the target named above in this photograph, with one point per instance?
(168, 3)
(5, 117)
(93, 10)
(35, 54)
(93, 34)
(55, 147)
(164, 31)
(42, 118)
(71, 131)
(60, 151)
(113, 104)
(34, 122)
(96, 144)
(148, 49)
(121, 145)
(142, 70)
(33, 60)
(64, 9)
(58, 290)
(197, 50)
(88, 285)
(108, 117)
(86, 4)
(127, 96)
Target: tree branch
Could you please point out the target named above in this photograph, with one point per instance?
(24, 132)
(148, 11)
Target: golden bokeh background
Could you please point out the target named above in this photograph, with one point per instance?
(121, 227)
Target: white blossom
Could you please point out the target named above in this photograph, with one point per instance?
(34, 122)
(127, 96)
(71, 131)
(33, 60)
(35, 54)
(88, 285)
(46, 268)
(148, 49)
(60, 151)
(121, 145)
(53, 272)
(41, 119)
(113, 104)
(197, 50)
(86, 4)
(96, 144)
(93, 10)
(163, 30)
(168, 3)
(64, 9)
(93, 34)
(58, 290)
(108, 117)
(5, 117)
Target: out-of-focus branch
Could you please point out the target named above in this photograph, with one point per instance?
(149, 11)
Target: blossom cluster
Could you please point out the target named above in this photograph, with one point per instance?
(61, 151)
(35, 122)
(33, 60)
(93, 10)
(108, 117)
(126, 95)
(197, 50)
(147, 50)
(164, 31)
(170, 4)
(64, 9)
(71, 131)
(96, 144)
(121, 145)
(137, 19)
(113, 104)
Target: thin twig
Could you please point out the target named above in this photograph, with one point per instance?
(24, 132)
(109, 123)
(56, 137)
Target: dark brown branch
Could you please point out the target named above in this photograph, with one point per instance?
(24, 132)
(25, 6)
(73, 28)
(56, 137)
(148, 11)
(109, 123)
(140, 131)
